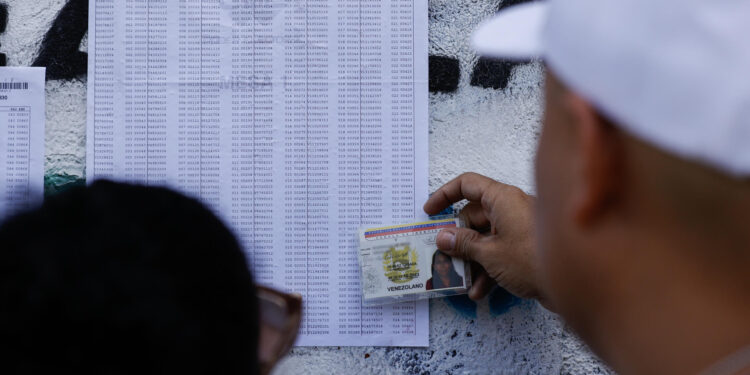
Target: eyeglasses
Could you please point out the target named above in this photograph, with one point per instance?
(280, 317)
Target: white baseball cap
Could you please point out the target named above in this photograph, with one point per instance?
(673, 73)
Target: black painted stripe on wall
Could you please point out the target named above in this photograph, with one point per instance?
(444, 74)
(509, 3)
(492, 73)
(60, 49)
(3, 25)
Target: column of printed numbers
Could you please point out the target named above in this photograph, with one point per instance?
(157, 93)
(17, 124)
(241, 86)
(103, 88)
(296, 150)
(189, 122)
(210, 108)
(349, 163)
(263, 139)
(372, 135)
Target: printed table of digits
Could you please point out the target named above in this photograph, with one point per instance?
(16, 126)
(297, 121)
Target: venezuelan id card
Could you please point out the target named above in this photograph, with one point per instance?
(402, 263)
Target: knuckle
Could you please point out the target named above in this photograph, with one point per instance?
(517, 193)
(465, 178)
(444, 194)
(504, 193)
(488, 200)
(494, 192)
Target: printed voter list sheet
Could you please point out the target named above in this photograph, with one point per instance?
(297, 121)
(22, 116)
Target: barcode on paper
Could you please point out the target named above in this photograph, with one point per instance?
(14, 85)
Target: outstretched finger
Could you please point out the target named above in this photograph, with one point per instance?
(469, 186)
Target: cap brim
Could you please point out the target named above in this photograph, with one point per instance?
(514, 33)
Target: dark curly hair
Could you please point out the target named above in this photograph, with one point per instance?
(123, 279)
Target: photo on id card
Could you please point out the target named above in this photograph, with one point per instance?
(402, 263)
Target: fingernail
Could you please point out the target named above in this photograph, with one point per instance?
(446, 240)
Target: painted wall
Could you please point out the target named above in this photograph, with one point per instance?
(484, 117)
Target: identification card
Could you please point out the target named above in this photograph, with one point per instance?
(402, 263)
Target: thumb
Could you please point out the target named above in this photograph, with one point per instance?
(461, 243)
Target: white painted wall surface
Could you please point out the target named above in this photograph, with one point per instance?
(493, 132)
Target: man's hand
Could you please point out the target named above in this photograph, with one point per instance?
(501, 240)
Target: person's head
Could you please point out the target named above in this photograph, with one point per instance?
(643, 166)
(442, 265)
(606, 199)
(122, 279)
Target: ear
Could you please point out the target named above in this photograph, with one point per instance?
(600, 152)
